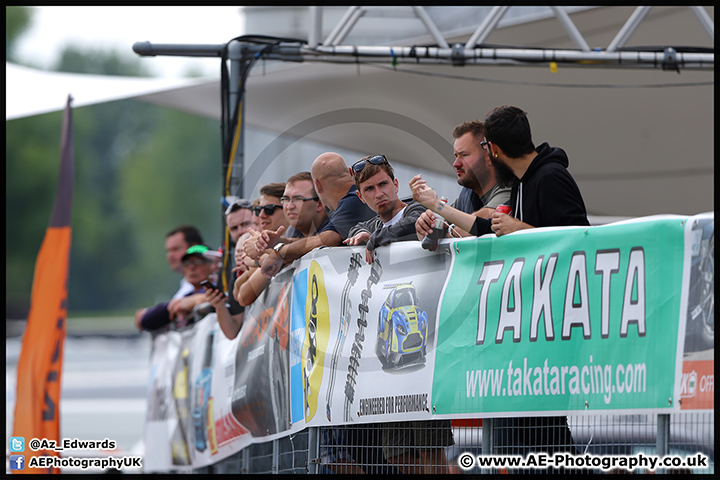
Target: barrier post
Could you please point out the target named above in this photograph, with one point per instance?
(246, 460)
(313, 450)
(663, 436)
(275, 457)
(487, 440)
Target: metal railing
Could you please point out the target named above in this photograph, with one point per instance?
(381, 448)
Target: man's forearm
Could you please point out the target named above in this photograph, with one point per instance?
(295, 250)
(453, 215)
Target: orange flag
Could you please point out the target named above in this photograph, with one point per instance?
(37, 402)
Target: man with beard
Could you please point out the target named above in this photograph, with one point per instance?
(544, 194)
(480, 194)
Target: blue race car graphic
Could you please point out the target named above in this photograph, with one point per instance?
(402, 329)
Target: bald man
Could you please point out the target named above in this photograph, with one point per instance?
(336, 188)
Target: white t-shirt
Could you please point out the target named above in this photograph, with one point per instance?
(395, 219)
(186, 288)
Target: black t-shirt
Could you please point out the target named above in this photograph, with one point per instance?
(349, 212)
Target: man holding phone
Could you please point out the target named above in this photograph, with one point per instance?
(199, 265)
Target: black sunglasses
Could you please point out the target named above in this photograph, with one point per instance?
(238, 205)
(269, 209)
(376, 160)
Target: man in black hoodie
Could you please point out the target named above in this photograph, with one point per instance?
(544, 194)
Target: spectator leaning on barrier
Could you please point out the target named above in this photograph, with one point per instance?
(336, 188)
(544, 194)
(307, 216)
(480, 194)
(250, 284)
(232, 327)
(198, 265)
(240, 258)
(303, 208)
(378, 188)
(256, 219)
(406, 444)
(239, 218)
(177, 241)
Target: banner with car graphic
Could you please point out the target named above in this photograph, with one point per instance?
(616, 318)
(363, 335)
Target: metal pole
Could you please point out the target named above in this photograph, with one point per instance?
(705, 20)
(234, 55)
(275, 456)
(487, 26)
(628, 29)
(246, 460)
(356, 15)
(331, 39)
(488, 439)
(313, 450)
(570, 28)
(315, 26)
(495, 56)
(147, 49)
(425, 18)
(663, 437)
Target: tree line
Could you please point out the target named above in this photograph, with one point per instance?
(140, 170)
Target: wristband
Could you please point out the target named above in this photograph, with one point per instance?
(257, 264)
(277, 250)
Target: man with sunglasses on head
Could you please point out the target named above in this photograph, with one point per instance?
(378, 188)
(336, 188)
(415, 444)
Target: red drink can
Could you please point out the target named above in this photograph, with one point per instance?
(506, 209)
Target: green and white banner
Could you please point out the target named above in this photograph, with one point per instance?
(562, 320)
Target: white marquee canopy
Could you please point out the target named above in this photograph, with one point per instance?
(640, 142)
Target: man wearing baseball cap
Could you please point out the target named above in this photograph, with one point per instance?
(199, 263)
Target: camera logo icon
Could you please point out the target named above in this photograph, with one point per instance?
(17, 444)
